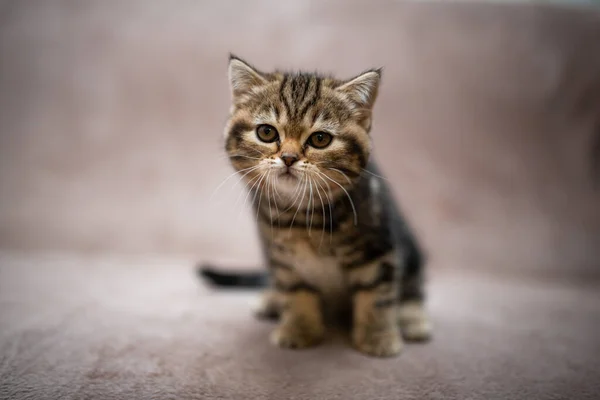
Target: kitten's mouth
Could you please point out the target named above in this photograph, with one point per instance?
(288, 174)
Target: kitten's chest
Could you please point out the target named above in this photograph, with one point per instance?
(316, 266)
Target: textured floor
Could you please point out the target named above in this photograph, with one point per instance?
(116, 328)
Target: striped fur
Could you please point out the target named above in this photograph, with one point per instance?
(332, 236)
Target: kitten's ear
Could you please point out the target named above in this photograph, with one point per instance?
(243, 77)
(363, 89)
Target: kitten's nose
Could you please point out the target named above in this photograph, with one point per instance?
(289, 158)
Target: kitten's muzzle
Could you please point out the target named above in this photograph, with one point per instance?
(288, 172)
(289, 158)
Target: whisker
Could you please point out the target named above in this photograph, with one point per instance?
(269, 188)
(260, 197)
(296, 192)
(253, 149)
(246, 185)
(242, 179)
(349, 198)
(375, 175)
(329, 201)
(229, 177)
(308, 207)
(261, 176)
(230, 156)
(274, 191)
(299, 203)
(345, 176)
(256, 193)
(323, 208)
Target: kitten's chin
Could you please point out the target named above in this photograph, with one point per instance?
(287, 185)
(288, 177)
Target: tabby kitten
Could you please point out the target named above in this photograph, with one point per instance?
(331, 234)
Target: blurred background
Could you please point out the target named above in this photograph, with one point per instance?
(111, 129)
(112, 116)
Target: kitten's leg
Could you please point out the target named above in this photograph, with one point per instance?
(301, 322)
(412, 315)
(414, 321)
(375, 309)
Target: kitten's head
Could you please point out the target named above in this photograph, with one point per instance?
(287, 130)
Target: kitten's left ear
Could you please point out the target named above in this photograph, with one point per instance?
(363, 89)
(243, 77)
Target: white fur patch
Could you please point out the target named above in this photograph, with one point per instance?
(323, 272)
(411, 311)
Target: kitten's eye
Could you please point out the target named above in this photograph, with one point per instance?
(267, 133)
(320, 140)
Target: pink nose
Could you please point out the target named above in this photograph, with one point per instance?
(289, 158)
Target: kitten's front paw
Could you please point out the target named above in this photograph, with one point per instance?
(381, 343)
(297, 335)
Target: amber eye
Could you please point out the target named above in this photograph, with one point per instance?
(320, 140)
(267, 133)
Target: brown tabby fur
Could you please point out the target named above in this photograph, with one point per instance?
(331, 237)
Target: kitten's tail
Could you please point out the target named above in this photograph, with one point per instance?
(230, 278)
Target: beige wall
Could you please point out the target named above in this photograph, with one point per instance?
(111, 116)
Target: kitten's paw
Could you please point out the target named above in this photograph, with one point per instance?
(297, 335)
(417, 331)
(384, 343)
(414, 322)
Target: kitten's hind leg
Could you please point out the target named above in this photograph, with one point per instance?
(412, 314)
(269, 306)
(414, 321)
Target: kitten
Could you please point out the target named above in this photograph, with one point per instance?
(331, 234)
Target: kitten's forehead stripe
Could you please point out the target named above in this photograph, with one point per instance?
(298, 92)
(311, 101)
(300, 85)
(282, 96)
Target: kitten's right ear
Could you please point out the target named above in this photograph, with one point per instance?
(243, 77)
